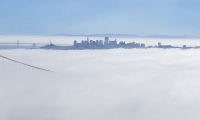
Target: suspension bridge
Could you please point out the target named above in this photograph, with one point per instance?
(9, 65)
(14, 45)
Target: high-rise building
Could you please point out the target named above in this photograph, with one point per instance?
(75, 42)
(87, 39)
(106, 41)
(91, 42)
(159, 45)
(137, 45)
(97, 42)
(184, 46)
(101, 42)
(142, 45)
(113, 43)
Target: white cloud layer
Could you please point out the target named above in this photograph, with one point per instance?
(118, 84)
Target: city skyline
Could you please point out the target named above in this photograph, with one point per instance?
(111, 44)
(101, 43)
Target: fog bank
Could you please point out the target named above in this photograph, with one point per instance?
(141, 84)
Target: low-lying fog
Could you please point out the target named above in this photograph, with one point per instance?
(67, 40)
(117, 84)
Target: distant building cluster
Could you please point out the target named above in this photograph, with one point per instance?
(91, 44)
(105, 44)
(110, 44)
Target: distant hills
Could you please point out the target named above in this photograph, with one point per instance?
(125, 35)
(169, 36)
(97, 35)
(128, 35)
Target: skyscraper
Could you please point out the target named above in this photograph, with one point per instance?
(106, 41)
(87, 39)
(159, 45)
(75, 42)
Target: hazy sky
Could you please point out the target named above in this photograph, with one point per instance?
(141, 17)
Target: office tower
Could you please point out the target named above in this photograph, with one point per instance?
(137, 45)
(91, 42)
(97, 42)
(101, 42)
(159, 45)
(142, 45)
(75, 42)
(87, 39)
(113, 43)
(106, 41)
(184, 46)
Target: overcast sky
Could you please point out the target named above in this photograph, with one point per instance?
(141, 17)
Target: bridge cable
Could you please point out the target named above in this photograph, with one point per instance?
(27, 64)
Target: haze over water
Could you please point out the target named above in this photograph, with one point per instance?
(110, 84)
(66, 40)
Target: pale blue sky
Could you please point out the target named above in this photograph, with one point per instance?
(140, 17)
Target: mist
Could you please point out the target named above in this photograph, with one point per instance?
(141, 84)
